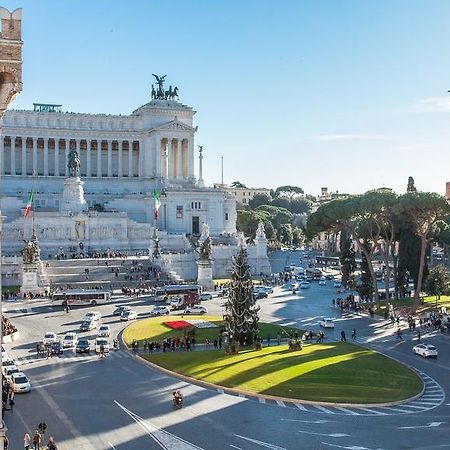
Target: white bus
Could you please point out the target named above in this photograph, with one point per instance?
(82, 297)
(165, 293)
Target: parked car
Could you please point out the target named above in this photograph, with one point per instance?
(196, 309)
(8, 362)
(92, 315)
(70, 340)
(326, 322)
(120, 309)
(206, 296)
(337, 284)
(305, 285)
(88, 325)
(49, 337)
(104, 331)
(101, 342)
(83, 346)
(20, 383)
(128, 315)
(425, 350)
(8, 371)
(56, 348)
(160, 310)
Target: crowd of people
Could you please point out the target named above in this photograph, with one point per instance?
(8, 327)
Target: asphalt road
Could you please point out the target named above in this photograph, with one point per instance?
(120, 403)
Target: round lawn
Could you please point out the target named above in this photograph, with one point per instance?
(335, 372)
(153, 329)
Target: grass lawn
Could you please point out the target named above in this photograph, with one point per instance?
(153, 329)
(337, 372)
(429, 303)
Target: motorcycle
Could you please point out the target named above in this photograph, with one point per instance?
(116, 345)
(177, 401)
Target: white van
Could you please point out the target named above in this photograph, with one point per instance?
(99, 342)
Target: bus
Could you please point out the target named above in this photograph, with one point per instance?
(333, 261)
(83, 297)
(165, 293)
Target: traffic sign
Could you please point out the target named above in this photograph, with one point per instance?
(42, 427)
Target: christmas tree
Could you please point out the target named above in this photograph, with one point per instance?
(241, 318)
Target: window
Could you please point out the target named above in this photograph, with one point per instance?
(244, 200)
(226, 216)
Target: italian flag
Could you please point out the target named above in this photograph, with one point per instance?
(29, 204)
(157, 203)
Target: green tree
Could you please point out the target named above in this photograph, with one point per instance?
(282, 202)
(288, 191)
(437, 282)
(300, 205)
(425, 210)
(248, 219)
(285, 233)
(258, 200)
(347, 258)
(238, 184)
(241, 317)
(298, 237)
(365, 286)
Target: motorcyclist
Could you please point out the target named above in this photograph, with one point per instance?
(116, 344)
(177, 398)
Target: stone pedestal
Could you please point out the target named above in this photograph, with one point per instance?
(205, 274)
(30, 279)
(73, 196)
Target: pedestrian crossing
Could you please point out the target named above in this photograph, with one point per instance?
(432, 397)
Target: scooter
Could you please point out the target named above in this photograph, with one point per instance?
(178, 401)
(116, 345)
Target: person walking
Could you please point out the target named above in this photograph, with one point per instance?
(11, 400)
(37, 439)
(354, 334)
(51, 445)
(399, 334)
(418, 336)
(343, 338)
(26, 441)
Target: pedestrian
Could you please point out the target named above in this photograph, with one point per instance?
(354, 334)
(418, 336)
(278, 339)
(215, 344)
(11, 400)
(6, 443)
(51, 445)
(343, 338)
(399, 334)
(268, 341)
(220, 343)
(37, 439)
(26, 441)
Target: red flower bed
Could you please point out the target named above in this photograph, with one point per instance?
(177, 324)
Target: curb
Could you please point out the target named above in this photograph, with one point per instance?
(239, 393)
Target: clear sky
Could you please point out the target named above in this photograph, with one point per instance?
(346, 94)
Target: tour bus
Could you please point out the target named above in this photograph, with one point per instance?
(82, 297)
(166, 293)
(333, 261)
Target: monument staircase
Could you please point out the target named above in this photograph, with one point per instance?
(110, 273)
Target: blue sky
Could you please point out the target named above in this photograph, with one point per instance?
(346, 94)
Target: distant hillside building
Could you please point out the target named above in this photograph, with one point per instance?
(244, 195)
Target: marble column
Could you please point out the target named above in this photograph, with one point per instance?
(46, 157)
(179, 150)
(88, 157)
(119, 165)
(99, 158)
(185, 157)
(156, 151)
(191, 169)
(13, 155)
(2, 151)
(66, 158)
(35, 157)
(109, 158)
(24, 157)
(140, 158)
(57, 157)
(130, 159)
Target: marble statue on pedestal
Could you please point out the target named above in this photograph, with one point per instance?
(204, 262)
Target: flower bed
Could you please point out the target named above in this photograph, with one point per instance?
(202, 323)
(177, 324)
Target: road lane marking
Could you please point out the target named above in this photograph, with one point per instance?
(429, 425)
(373, 411)
(333, 435)
(262, 443)
(321, 408)
(300, 407)
(112, 446)
(162, 437)
(262, 400)
(347, 411)
(306, 421)
(281, 403)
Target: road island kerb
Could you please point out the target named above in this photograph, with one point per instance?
(252, 395)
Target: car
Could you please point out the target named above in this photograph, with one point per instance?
(7, 363)
(206, 296)
(425, 350)
(326, 322)
(99, 342)
(337, 284)
(83, 346)
(104, 331)
(305, 285)
(20, 383)
(128, 315)
(49, 337)
(322, 283)
(196, 309)
(70, 340)
(4, 354)
(330, 277)
(120, 309)
(88, 325)
(56, 348)
(92, 315)
(160, 310)
(259, 295)
(8, 371)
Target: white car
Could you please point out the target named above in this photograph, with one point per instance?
(9, 371)
(128, 315)
(326, 322)
(206, 296)
(70, 340)
(49, 338)
(322, 283)
(160, 310)
(425, 350)
(7, 362)
(196, 309)
(305, 285)
(20, 382)
(92, 315)
(99, 342)
(104, 331)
